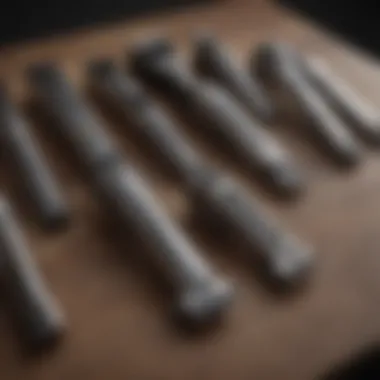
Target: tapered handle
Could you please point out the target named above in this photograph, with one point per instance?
(221, 112)
(251, 142)
(212, 59)
(39, 181)
(145, 116)
(279, 64)
(35, 309)
(362, 116)
(202, 295)
(285, 258)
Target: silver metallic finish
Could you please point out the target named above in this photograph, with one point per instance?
(285, 259)
(126, 94)
(362, 116)
(213, 60)
(156, 62)
(36, 311)
(278, 63)
(39, 181)
(201, 295)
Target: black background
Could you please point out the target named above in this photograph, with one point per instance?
(356, 20)
(20, 20)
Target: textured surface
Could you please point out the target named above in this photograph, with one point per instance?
(117, 311)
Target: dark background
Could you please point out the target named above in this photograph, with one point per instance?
(356, 20)
(20, 20)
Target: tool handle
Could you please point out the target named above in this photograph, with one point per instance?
(218, 110)
(38, 178)
(35, 309)
(212, 59)
(79, 125)
(250, 141)
(285, 258)
(279, 64)
(326, 124)
(363, 116)
(201, 293)
(145, 116)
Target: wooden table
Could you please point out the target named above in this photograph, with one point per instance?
(118, 321)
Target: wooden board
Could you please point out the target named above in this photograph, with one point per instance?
(117, 313)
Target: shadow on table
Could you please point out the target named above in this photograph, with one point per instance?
(365, 366)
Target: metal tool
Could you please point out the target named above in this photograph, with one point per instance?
(40, 320)
(213, 60)
(285, 259)
(24, 151)
(156, 62)
(202, 295)
(276, 63)
(362, 116)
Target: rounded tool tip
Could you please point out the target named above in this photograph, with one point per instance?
(286, 180)
(348, 154)
(263, 58)
(352, 157)
(146, 52)
(372, 132)
(203, 43)
(205, 49)
(43, 330)
(205, 304)
(46, 337)
(293, 263)
(272, 57)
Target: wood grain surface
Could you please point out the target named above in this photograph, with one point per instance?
(119, 325)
